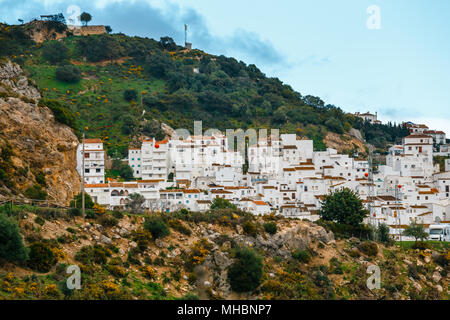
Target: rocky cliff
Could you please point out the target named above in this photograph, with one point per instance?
(35, 148)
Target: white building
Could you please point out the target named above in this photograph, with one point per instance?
(94, 161)
(370, 117)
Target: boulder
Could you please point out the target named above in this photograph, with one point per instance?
(104, 239)
(436, 277)
(160, 244)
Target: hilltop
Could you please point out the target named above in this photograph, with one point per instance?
(119, 88)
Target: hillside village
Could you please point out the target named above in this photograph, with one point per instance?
(159, 233)
(284, 177)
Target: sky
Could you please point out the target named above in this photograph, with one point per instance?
(385, 56)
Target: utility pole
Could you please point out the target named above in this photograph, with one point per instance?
(82, 179)
(371, 196)
(397, 191)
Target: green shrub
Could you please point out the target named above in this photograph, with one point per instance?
(220, 203)
(62, 114)
(77, 201)
(245, 273)
(301, 255)
(11, 245)
(74, 212)
(336, 266)
(421, 245)
(250, 228)
(50, 213)
(68, 73)
(117, 214)
(107, 221)
(130, 95)
(368, 248)
(40, 221)
(413, 271)
(54, 52)
(184, 211)
(35, 192)
(190, 296)
(93, 254)
(142, 238)
(157, 227)
(116, 270)
(345, 230)
(179, 226)
(40, 178)
(41, 257)
(270, 227)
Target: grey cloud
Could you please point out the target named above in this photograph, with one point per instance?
(140, 18)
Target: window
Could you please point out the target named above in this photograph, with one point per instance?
(86, 170)
(97, 170)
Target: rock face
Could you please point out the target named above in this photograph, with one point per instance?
(345, 142)
(301, 236)
(39, 144)
(283, 243)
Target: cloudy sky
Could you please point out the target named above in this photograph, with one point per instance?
(325, 48)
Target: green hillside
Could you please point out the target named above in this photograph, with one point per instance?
(116, 87)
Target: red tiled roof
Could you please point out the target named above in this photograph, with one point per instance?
(93, 141)
(96, 185)
(259, 203)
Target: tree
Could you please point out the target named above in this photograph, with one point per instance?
(334, 125)
(135, 203)
(68, 73)
(55, 52)
(130, 95)
(245, 273)
(101, 47)
(343, 206)
(57, 22)
(77, 201)
(124, 170)
(220, 203)
(383, 233)
(157, 227)
(11, 245)
(108, 29)
(417, 231)
(167, 43)
(159, 65)
(85, 18)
